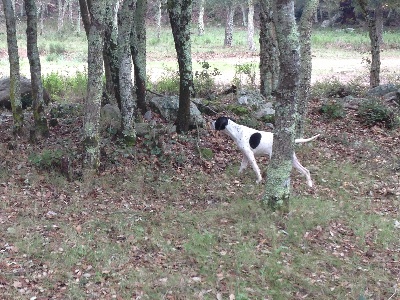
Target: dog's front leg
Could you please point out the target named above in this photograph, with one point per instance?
(244, 164)
(251, 159)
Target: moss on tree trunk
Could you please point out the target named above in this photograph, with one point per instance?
(91, 133)
(180, 15)
(125, 19)
(269, 51)
(40, 127)
(277, 191)
(15, 90)
(305, 29)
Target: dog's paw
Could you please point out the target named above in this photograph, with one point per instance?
(259, 180)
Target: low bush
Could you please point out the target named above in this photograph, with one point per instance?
(332, 110)
(374, 112)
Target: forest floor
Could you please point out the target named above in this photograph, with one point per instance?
(161, 221)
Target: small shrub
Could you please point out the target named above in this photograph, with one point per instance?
(47, 159)
(53, 57)
(168, 83)
(53, 83)
(373, 112)
(57, 48)
(204, 80)
(245, 74)
(238, 110)
(332, 110)
(327, 88)
(78, 83)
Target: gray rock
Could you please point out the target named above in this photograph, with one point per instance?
(382, 90)
(251, 98)
(110, 118)
(265, 110)
(26, 93)
(168, 108)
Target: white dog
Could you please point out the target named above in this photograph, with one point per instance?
(255, 143)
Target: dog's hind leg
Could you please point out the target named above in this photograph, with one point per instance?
(302, 170)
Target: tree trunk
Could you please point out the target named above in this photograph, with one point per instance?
(277, 189)
(41, 14)
(15, 92)
(84, 8)
(180, 14)
(244, 15)
(230, 13)
(125, 19)
(375, 67)
(250, 27)
(269, 51)
(40, 127)
(305, 29)
(110, 55)
(60, 21)
(158, 18)
(91, 142)
(138, 51)
(200, 20)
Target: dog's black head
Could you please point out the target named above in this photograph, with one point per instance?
(221, 123)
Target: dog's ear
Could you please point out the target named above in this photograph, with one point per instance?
(221, 123)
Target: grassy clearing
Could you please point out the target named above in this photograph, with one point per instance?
(201, 248)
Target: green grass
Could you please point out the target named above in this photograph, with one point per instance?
(230, 247)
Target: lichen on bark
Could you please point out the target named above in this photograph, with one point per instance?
(15, 91)
(277, 189)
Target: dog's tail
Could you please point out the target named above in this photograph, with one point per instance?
(297, 141)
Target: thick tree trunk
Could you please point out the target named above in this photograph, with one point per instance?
(40, 127)
(138, 51)
(277, 189)
(230, 13)
(125, 19)
(15, 92)
(180, 14)
(269, 51)
(110, 55)
(250, 27)
(200, 20)
(91, 142)
(305, 29)
(375, 67)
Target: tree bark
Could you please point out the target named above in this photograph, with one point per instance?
(250, 27)
(86, 20)
(200, 20)
(375, 67)
(125, 19)
(180, 15)
(40, 127)
(230, 13)
(110, 55)
(269, 51)
(158, 18)
(15, 92)
(91, 142)
(277, 189)
(138, 51)
(305, 29)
